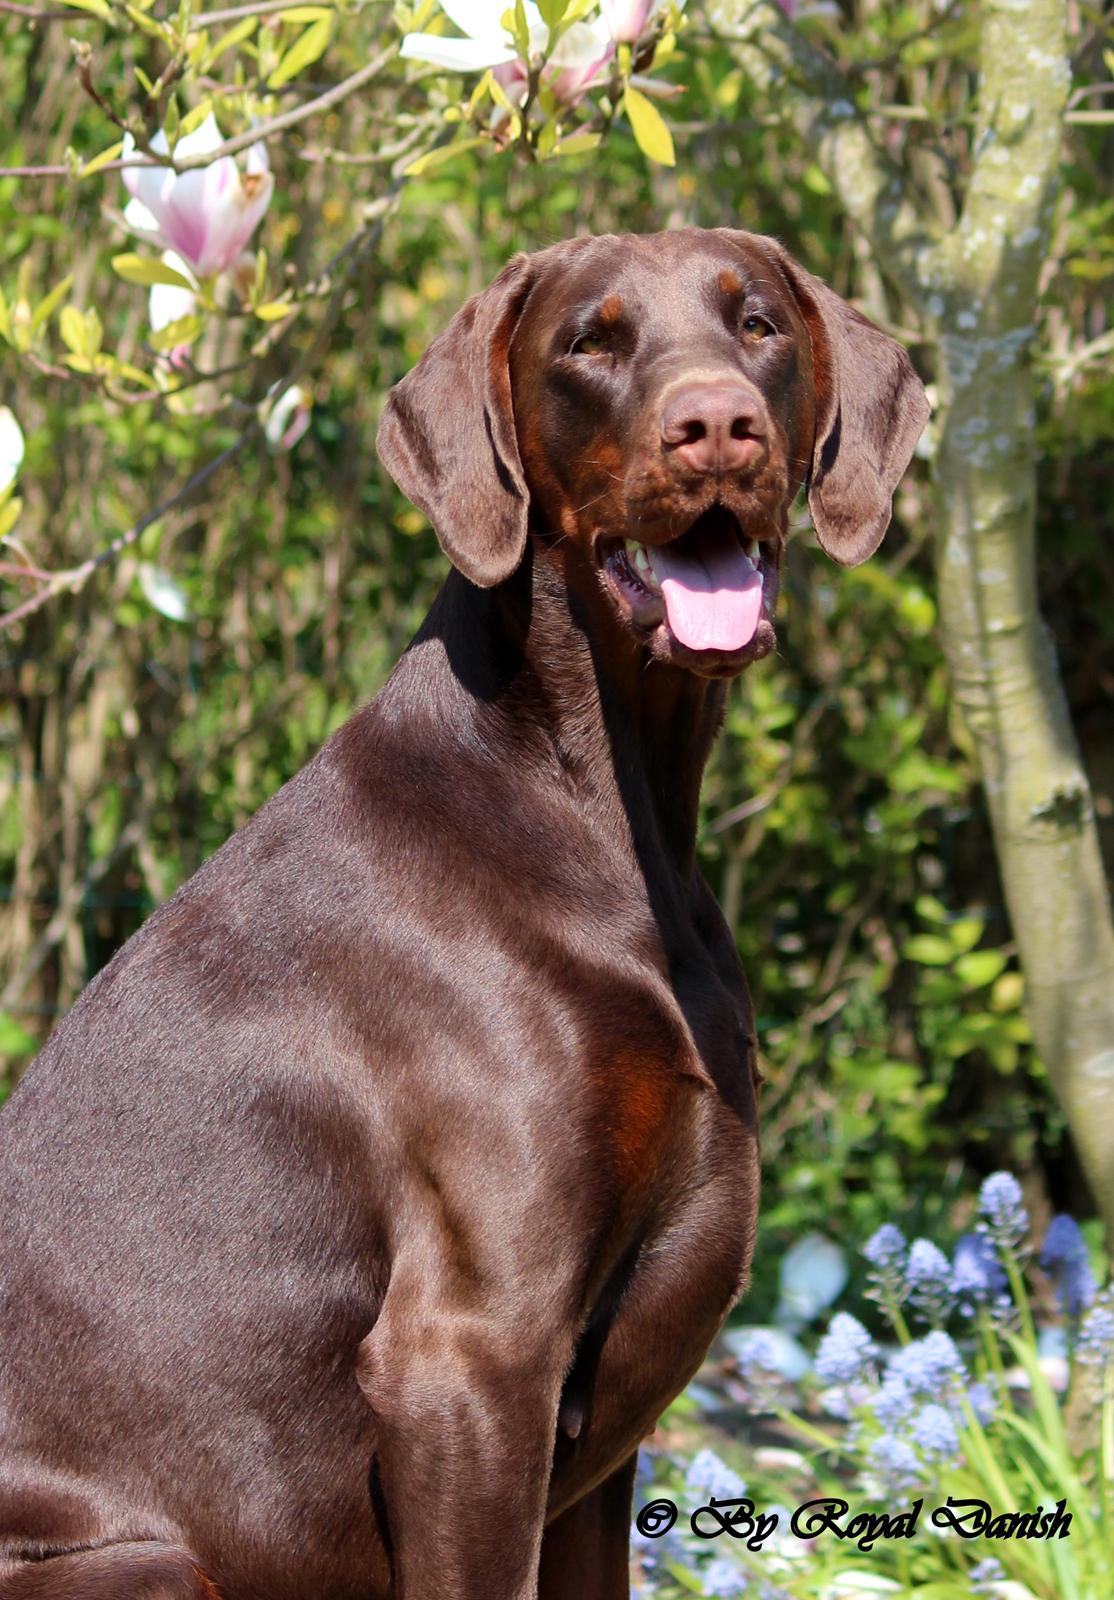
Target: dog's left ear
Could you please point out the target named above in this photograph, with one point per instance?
(447, 433)
(870, 411)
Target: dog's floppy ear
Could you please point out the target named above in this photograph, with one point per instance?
(447, 433)
(870, 410)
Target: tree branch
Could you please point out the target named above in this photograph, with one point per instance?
(811, 93)
(75, 577)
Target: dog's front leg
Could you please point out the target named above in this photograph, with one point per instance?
(465, 1390)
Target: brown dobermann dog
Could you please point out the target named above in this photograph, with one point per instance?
(367, 1209)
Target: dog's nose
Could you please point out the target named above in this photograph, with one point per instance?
(713, 427)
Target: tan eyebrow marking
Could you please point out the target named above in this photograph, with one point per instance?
(611, 310)
(729, 282)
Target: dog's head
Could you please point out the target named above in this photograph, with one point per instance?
(651, 405)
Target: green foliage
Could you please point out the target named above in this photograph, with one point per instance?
(1019, 1420)
(154, 704)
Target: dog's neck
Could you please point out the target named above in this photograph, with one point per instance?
(551, 679)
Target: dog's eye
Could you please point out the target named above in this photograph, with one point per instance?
(757, 328)
(588, 344)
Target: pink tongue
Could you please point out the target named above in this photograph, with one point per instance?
(712, 601)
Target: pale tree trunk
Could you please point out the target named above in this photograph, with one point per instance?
(975, 289)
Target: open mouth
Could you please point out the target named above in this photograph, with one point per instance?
(709, 587)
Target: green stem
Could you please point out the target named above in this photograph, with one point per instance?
(1021, 1298)
(1106, 1472)
(808, 1430)
(993, 1352)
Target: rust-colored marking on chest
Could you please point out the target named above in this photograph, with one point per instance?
(641, 1096)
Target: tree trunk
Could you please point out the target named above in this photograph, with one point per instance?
(976, 290)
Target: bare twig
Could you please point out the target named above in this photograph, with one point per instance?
(286, 119)
(230, 147)
(37, 13)
(75, 577)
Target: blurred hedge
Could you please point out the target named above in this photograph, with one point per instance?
(842, 829)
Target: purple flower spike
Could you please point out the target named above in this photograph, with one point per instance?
(1064, 1257)
(928, 1274)
(724, 1578)
(1003, 1210)
(708, 1475)
(977, 1274)
(1096, 1334)
(929, 1365)
(886, 1247)
(845, 1350)
(893, 1404)
(986, 1575)
(934, 1433)
(894, 1465)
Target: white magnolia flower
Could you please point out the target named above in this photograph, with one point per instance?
(289, 418)
(168, 303)
(579, 54)
(627, 19)
(206, 215)
(11, 448)
(487, 43)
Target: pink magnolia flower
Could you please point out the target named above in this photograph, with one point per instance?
(11, 448)
(206, 215)
(288, 419)
(578, 58)
(626, 19)
(570, 71)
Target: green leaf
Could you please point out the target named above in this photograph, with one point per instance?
(184, 331)
(171, 123)
(521, 29)
(148, 270)
(966, 932)
(124, 369)
(99, 8)
(193, 119)
(434, 158)
(980, 967)
(94, 332)
(728, 90)
(306, 49)
(72, 328)
(49, 304)
(547, 139)
(1007, 992)
(145, 24)
(929, 949)
(243, 30)
(9, 516)
(577, 144)
(649, 128)
(552, 11)
(272, 310)
(14, 1040)
(102, 160)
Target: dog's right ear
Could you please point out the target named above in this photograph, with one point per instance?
(447, 433)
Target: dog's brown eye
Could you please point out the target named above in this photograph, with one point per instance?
(756, 328)
(588, 344)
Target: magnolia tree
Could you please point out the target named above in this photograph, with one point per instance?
(169, 139)
(548, 79)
